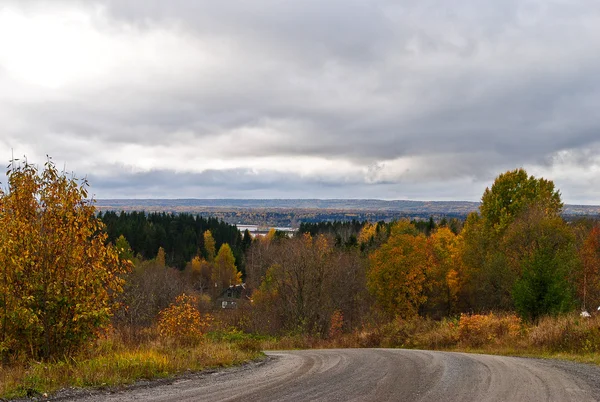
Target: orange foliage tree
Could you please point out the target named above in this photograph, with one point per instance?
(182, 322)
(444, 273)
(57, 275)
(398, 271)
(589, 284)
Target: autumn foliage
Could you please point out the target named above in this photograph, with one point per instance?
(398, 271)
(336, 325)
(182, 322)
(589, 284)
(479, 329)
(57, 275)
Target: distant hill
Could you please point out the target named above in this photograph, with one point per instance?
(434, 207)
(337, 204)
(290, 212)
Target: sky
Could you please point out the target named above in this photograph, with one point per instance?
(408, 99)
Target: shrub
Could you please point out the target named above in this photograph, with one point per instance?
(444, 335)
(567, 333)
(476, 330)
(404, 333)
(58, 278)
(336, 324)
(181, 322)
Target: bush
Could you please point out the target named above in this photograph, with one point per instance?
(404, 333)
(182, 323)
(58, 278)
(336, 324)
(444, 335)
(567, 333)
(477, 330)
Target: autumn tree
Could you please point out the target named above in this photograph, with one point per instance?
(260, 256)
(182, 322)
(302, 281)
(58, 277)
(589, 278)
(486, 280)
(443, 275)
(124, 249)
(199, 274)
(225, 273)
(398, 271)
(371, 236)
(367, 233)
(148, 289)
(180, 234)
(512, 193)
(542, 256)
(161, 259)
(209, 246)
(489, 281)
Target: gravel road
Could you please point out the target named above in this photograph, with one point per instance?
(379, 375)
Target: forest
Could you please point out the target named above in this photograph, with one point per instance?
(71, 278)
(181, 236)
(516, 254)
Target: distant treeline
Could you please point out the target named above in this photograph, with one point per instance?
(346, 233)
(283, 217)
(180, 235)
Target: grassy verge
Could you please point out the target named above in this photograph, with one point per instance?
(113, 362)
(567, 337)
(123, 359)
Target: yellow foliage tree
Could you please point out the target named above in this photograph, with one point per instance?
(199, 272)
(224, 272)
(270, 235)
(57, 275)
(398, 269)
(367, 233)
(443, 275)
(196, 265)
(209, 246)
(161, 257)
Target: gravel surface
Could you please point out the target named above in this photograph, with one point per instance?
(373, 375)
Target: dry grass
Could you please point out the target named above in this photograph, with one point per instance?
(567, 334)
(568, 337)
(129, 356)
(112, 362)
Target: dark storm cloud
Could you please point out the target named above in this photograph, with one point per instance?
(425, 91)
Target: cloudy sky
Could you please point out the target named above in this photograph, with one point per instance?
(410, 99)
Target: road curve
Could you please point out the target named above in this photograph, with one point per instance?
(380, 375)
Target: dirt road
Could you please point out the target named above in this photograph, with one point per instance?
(380, 375)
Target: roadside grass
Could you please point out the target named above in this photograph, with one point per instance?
(113, 362)
(566, 337)
(120, 358)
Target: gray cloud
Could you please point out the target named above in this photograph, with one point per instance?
(439, 97)
(236, 182)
